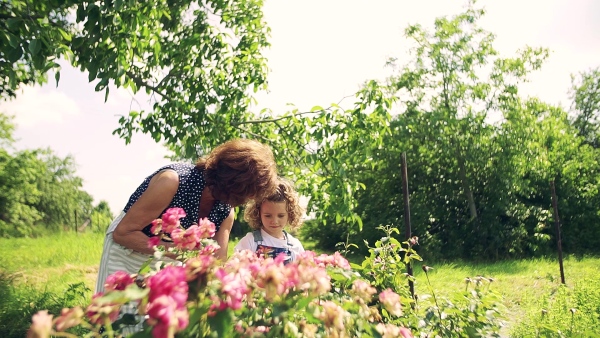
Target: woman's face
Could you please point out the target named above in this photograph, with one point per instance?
(274, 217)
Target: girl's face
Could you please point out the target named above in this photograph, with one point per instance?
(274, 217)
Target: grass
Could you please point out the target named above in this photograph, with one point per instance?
(52, 262)
(39, 269)
(526, 286)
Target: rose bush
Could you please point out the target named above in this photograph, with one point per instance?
(246, 296)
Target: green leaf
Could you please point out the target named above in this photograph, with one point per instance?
(355, 266)
(302, 303)
(145, 268)
(13, 41)
(35, 46)
(358, 220)
(134, 292)
(12, 23)
(57, 77)
(221, 324)
(66, 36)
(14, 54)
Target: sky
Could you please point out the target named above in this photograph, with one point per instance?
(321, 52)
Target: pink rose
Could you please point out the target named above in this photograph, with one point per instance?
(41, 325)
(170, 281)
(99, 310)
(153, 241)
(156, 226)
(186, 239)
(118, 281)
(391, 302)
(207, 228)
(69, 318)
(170, 219)
(233, 287)
(166, 316)
(363, 290)
(197, 266)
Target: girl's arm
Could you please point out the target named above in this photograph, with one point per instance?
(148, 207)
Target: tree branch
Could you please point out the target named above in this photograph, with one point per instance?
(292, 115)
(141, 83)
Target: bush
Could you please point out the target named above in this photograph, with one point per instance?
(17, 305)
(247, 296)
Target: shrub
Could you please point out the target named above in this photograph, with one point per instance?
(247, 296)
(18, 304)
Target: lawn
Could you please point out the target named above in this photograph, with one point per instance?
(48, 265)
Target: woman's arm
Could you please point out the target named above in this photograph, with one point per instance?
(148, 207)
(222, 236)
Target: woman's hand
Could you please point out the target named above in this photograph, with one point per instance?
(147, 208)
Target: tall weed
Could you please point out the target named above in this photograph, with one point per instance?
(565, 312)
(19, 303)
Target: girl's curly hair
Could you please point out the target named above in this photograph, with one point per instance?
(239, 170)
(285, 193)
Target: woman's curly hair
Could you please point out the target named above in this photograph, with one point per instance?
(285, 193)
(239, 170)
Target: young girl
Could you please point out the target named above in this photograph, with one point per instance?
(268, 218)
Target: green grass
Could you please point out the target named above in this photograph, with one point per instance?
(52, 262)
(39, 271)
(48, 272)
(526, 286)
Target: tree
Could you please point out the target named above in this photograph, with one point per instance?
(199, 61)
(37, 189)
(101, 216)
(479, 188)
(585, 93)
(33, 35)
(62, 201)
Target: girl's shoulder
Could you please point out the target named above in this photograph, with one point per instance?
(245, 242)
(293, 240)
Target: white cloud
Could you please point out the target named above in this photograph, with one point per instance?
(35, 106)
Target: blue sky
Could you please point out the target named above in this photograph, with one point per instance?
(321, 51)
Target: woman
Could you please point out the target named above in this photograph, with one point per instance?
(229, 176)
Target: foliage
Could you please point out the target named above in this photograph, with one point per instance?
(480, 157)
(101, 217)
(585, 94)
(18, 303)
(198, 60)
(51, 262)
(474, 312)
(33, 35)
(314, 296)
(39, 188)
(568, 312)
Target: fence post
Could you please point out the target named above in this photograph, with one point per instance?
(407, 226)
(557, 229)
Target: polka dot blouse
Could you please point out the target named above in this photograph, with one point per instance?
(189, 192)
